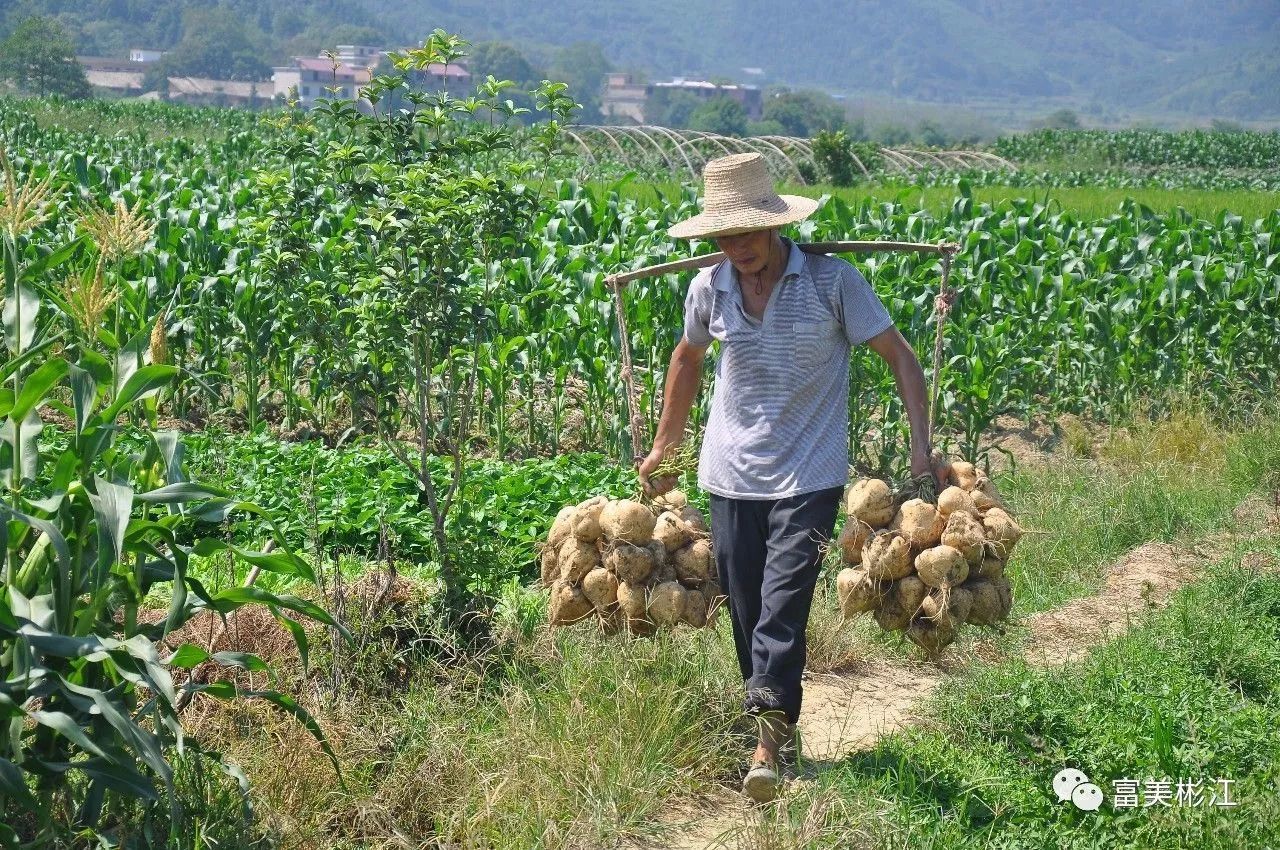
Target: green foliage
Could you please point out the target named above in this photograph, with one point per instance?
(215, 43)
(804, 113)
(89, 532)
(833, 153)
(503, 61)
(670, 107)
(361, 499)
(1023, 340)
(1208, 149)
(722, 115)
(1061, 119)
(436, 201)
(931, 134)
(500, 60)
(39, 58)
(892, 134)
(583, 67)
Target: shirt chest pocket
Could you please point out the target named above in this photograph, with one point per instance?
(815, 343)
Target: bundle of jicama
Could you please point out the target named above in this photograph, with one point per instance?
(617, 563)
(927, 569)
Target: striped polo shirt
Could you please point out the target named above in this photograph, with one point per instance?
(779, 420)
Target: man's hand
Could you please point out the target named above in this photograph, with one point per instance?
(923, 463)
(662, 484)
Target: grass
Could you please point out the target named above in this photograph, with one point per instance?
(558, 739)
(571, 738)
(1084, 202)
(1171, 480)
(1174, 479)
(1194, 693)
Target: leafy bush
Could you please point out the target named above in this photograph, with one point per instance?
(360, 499)
(436, 201)
(833, 152)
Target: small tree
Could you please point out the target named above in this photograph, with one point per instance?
(804, 113)
(721, 115)
(438, 195)
(1061, 119)
(932, 134)
(670, 107)
(833, 153)
(40, 58)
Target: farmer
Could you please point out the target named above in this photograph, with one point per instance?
(775, 454)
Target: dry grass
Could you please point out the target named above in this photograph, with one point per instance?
(1077, 440)
(1188, 436)
(564, 740)
(800, 823)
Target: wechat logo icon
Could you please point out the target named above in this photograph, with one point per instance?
(1072, 784)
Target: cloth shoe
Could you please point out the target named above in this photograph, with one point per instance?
(762, 781)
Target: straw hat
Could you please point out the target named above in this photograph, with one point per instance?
(738, 198)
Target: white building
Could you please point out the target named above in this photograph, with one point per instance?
(350, 69)
(358, 55)
(625, 98)
(309, 80)
(142, 54)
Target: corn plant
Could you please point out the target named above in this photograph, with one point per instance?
(91, 531)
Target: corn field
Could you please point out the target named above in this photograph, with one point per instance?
(1055, 314)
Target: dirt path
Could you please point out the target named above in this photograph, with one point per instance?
(847, 712)
(1143, 580)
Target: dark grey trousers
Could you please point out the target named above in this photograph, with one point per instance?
(767, 555)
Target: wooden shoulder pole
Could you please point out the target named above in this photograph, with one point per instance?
(621, 279)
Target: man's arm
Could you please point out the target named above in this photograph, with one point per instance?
(684, 377)
(909, 378)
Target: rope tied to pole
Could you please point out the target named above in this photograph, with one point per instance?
(634, 419)
(942, 305)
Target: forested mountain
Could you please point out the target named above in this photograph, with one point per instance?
(1201, 58)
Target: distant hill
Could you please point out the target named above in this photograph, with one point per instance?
(1203, 60)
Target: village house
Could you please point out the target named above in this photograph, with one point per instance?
(352, 66)
(359, 55)
(202, 91)
(625, 98)
(309, 80)
(117, 75)
(122, 76)
(306, 81)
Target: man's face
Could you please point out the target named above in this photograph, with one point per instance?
(749, 252)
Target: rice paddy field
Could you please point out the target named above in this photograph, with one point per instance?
(291, 401)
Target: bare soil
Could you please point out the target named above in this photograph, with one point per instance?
(1143, 580)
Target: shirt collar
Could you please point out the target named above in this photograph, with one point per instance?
(726, 275)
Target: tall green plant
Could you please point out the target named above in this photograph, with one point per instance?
(437, 204)
(89, 532)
